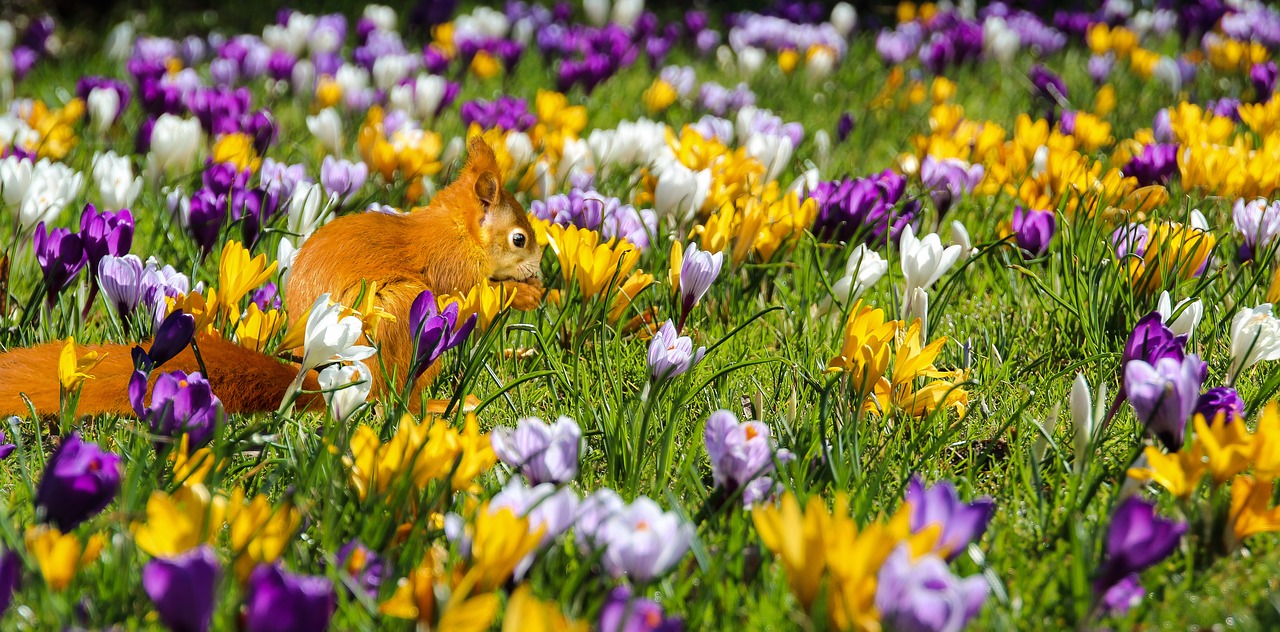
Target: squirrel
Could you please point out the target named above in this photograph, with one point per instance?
(472, 231)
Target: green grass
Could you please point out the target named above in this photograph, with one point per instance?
(1028, 328)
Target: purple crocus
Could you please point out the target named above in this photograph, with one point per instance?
(1164, 395)
(624, 613)
(434, 331)
(172, 337)
(542, 452)
(364, 566)
(698, 270)
(266, 297)
(1220, 400)
(105, 233)
(867, 208)
(10, 577)
(949, 180)
(1049, 85)
(585, 207)
(506, 113)
(922, 594)
(278, 601)
(1152, 340)
(741, 456)
(208, 214)
(61, 255)
(1033, 231)
(342, 178)
(80, 479)
(671, 354)
(181, 403)
(1136, 540)
(1263, 77)
(1100, 68)
(844, 126)
(182, 588)
(5, 450)
(940, 505)
(1155, 164)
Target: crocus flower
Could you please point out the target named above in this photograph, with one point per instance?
(1263, 77)
(923, 595)
(368, 569)
(121, 280)
(346, 388)
(1050, 86)
(278, 601)
(1152, 340)
(643, 542)
(61, 255)
(593, 512)
(624, 613)
(542, 452)
(741, 455)
(10, 577)
(1255, 336)
(1164, 395)
(671, 354)
(924, 261)
(1100, 68)
(205, 220)
(181, 403)
(1257, 222)
(844, 126)
(5, 450)
(342, 178)
(1136, 540)
(1189, 311)
(172, 337)
(940, 505)
(698, 270)
(435, 331)
(1220, 400)
(1033, 230)
(105, 233)
(864, 268)
(550, 509)
(80, 479)
(331, 337)
(949, 180)
(183, 588)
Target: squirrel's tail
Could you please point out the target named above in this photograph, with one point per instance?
(245, 380)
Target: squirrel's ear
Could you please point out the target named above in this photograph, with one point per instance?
(480, 156)
(487, 188)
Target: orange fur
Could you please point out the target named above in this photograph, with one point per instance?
(444, 246)
(245, 381)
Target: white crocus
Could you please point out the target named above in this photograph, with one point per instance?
(113, 175)
(681, 191)
(305, 211)
(175, 143)
(520, 148)
(771, 150)
(1000, 42)
(382, 16)
(331, 337)
(15, 179)
(1086, 412)
(352, 79)
(388, 70)
(626, 12)
(924, 261)
(303, 77)
(844, 18)
(864, 268)
(597, 11)
(52, 186)
(103, 104)
(346, 388)
(574, 159)
(1047, 428)
(819, 63)
(326, 126)
(1255, 337)
(1189, 317)
(960, 237)
(822, 148)
(916, 306)
(544, 183)
(751, 60)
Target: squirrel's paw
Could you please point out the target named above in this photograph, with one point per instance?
(528, 293)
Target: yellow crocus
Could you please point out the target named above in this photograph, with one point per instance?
(1180, 472)
(179, 522)
(191, 467)
(595, 266)
(415, 599)
(60, 555)
(202, 307)
(73, 370)
(1228, 447)
(799, 540)
(256, 327)
(328, 92)
(864, 354)
(788, 59)
(237, 149)
(1251, 510)
(659, 96)
(485, 66)
(677, 266)
(628, 291)
(556, 117)
(527, 613)
(259, 531)
(238, 273)
(486, 300)
(501, 540)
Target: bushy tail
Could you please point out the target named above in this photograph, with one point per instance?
(245, 380)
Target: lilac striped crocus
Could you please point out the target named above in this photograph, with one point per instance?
(921, 593)
(742, 456)
(342, 178)
(949, 180)
(79, 480)
(940, 506)
(624, 613)
(183, 588)
(121, 280)
(61, 256)
(698, 270)
(542, 452)
(1164, 395)
(1257, 222)
(671, 354)
(434, 331)
(1136, 540)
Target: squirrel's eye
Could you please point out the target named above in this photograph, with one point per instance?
(517, 239)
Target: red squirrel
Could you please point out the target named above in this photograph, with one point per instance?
(471, 231)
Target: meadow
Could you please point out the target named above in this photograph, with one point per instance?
(924, 318)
